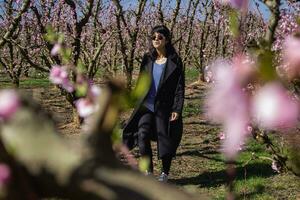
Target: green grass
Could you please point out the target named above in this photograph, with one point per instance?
(35, 83)
(203, 169)
(191, 74)
(28, 83)
(192, 108)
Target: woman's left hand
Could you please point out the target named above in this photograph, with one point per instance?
(174, 116)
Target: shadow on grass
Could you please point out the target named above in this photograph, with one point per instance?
(217, 178)
(203, 153)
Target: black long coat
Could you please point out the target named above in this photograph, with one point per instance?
(169, 98)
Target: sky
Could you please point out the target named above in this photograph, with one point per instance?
(262, 8)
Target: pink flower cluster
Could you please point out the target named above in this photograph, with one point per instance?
(88, 105)
(230, 104)
(56, 49)
(227, 104)
(291, 56)
(274, 108)
(83, 87)
(85, 106)
(9, 104)
(59, 76)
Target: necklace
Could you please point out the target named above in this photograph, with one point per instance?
(161, 58)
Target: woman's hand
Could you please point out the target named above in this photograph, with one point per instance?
(174, 116)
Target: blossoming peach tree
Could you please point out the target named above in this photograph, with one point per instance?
(254, 93)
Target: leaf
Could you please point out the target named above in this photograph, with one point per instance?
(60, 38)
(234, 23)
(80, 66)
(116, 136)
(144, 163)
(267, 70)
(142, 87)
(81, 89)
(298, 20)
(50, 35)
(66, 55)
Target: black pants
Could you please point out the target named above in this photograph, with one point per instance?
(147, 130)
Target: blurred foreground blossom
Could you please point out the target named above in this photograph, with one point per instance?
(236, 135)
(208, 75)
(95, 91)
(56, 48)
(9, 103)
(291, 56)
(4, 175)
(237, 4)
(227, 103)
(85, 107)
(226, 100)
(273, 108)
(59, 75)
(222, 136)
(244, 68)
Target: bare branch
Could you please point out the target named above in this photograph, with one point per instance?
(120, 15)
(160, 12)
(79, 26)
(15, 23)
(274, 7)
(175, 14)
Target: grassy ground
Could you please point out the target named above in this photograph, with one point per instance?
(199, 167)
(27, 83)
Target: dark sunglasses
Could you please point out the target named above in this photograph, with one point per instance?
(159, 37)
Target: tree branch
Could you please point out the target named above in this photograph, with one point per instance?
(15, 23)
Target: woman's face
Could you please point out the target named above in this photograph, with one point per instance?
(158, 41)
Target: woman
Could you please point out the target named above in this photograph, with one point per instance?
(158, 116)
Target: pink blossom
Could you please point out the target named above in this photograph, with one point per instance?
(208, 75)
(59, 75)
(236, 135)
(85, 107)
(55, 50)
(222, 136)
(273, 108)
(249, 129)
(275, 166)
(5, 175)
(95, 91)
(228, 104)
(237, 4)
(226, 99)
(9, 103)
(67, 85)
(244, 68)
(291, 56)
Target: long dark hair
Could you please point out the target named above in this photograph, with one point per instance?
(170, 50)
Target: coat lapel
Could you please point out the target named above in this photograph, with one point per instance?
(149, 67)
(169, 69)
